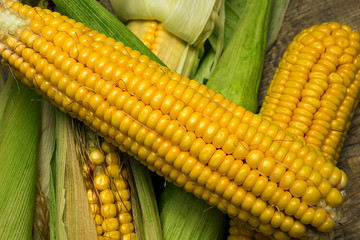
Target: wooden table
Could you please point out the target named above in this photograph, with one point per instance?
(302, 14)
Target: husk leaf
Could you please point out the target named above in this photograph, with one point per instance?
(239, 70)
(171, 13)
(73, 215)
(19, 138)
(202, 221)
(145, 208)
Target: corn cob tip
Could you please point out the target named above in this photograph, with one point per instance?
(9, 21)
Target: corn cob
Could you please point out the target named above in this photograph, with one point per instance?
(107, 187)
(163, 135)
(315, 90)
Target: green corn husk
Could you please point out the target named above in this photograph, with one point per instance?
(184, 216)
(2, 79)
(20, 122)
(145, 208)
(239, 70)
(234, 10)
(277, 14)
(52, 204)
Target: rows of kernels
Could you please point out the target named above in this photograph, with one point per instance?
(308, 102)
(144, 30)
(243, 230)
(211, 136)
(278, 136)
(92, 34)
(74, 35)
(115, 220)
(180, 180)
(343, 115)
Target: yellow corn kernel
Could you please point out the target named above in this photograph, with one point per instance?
(112, 158)
(108, 210)
(99, 230)
(126, 228)
(311, 196)
(101, 182)
(107, 196)
(130, 236)
(92, 196)
(110, 224)
(125, 217)
(116, 235)
(97, 157)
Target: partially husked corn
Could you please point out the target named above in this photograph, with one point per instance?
(111, 194)
(315, 89)
(106, 180)
(168, 47)
(233, 159)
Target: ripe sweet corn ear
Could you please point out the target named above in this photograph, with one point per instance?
(315, 89)
(178, 128)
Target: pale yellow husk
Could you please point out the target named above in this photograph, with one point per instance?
(178, 17)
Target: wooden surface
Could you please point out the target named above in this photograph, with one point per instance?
(302, 14)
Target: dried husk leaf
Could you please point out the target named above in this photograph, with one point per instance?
(73, 215)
